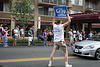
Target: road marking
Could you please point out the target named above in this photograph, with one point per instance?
(32, 59)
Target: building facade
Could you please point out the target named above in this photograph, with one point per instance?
(44, 9)
(89, 20)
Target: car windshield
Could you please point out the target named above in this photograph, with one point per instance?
(95, 38)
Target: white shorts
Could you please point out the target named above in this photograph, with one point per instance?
(29, 38)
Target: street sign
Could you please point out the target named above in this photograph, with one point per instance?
(60, 11)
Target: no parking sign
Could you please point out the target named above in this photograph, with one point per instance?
(60, 11)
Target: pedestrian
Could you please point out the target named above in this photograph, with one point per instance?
(90, 34)
(74, 36)
(59, 39)
(45, 38)
(80, 36)
(71, 39)
(30, 35)
(1, 36)
(33, 34)
(95, 33)
(22, 32)
(41, 38)
(49, 37)
(18, 31)
(15, 36)
(5, 37)
(84, 35)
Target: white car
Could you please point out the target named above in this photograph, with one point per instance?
(89, 47)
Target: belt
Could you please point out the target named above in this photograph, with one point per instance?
(61, 41)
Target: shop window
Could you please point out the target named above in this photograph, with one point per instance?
(1, 6)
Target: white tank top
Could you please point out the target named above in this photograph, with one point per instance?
(58, 33)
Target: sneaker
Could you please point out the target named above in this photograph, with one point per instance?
(6, 46)
(67, 65)
(50, 64)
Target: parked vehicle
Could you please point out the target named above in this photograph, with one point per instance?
(89, 47)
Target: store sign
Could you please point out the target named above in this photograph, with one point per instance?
(60, 11)
(39, 22)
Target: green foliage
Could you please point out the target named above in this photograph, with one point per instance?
(22, 11)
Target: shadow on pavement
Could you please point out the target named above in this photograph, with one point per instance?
(1, 66)
(85, 58)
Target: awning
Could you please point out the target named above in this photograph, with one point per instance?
(86, 16)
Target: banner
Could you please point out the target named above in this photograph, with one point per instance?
(60, 11)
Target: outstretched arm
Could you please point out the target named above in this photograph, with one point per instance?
(69, 20)
(53, 21)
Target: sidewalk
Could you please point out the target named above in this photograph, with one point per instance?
(25, 44)
(35, 38)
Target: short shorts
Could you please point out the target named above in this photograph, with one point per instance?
(15, 37)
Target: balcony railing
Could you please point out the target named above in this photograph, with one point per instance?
(56, 2)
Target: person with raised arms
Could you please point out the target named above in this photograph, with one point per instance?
(59, 39)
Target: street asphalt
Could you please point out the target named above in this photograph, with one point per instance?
(38, 56)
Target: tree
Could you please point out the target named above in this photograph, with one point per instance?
(22, 11)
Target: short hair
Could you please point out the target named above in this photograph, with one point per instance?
(58, 21)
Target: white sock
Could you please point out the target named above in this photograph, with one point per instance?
(66, 62)
(50, 62)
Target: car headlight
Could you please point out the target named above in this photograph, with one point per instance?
(89, 47)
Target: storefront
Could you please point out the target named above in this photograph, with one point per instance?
(88, 21)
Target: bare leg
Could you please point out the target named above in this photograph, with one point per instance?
(52, 54)
(66, 55)
(1, 40)
(66, 59)
(15, 41)
(49, 43)
(29, 43)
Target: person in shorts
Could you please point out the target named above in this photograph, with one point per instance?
(22, 32)
(30, 35)
(15, 36)
(59, 39)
